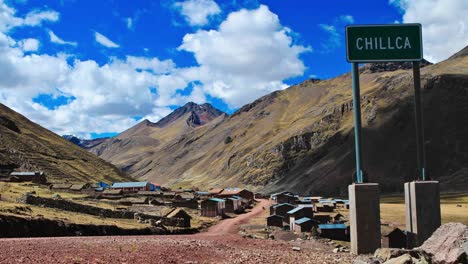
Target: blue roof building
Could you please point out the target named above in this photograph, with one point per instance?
(132, 186)
(334, 231)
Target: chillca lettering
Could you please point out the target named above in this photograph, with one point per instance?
(383, 43)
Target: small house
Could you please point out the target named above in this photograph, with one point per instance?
(303, 224)
(298, 213)
(100, 186)
(134, 200)
(243, 193)
(200, 194)
(131, 186)
(285, 198)
(213, 207)
(337, 218)
(393, 238)
(110, 192)
(168, 195)
(180, 217)
(315, 199)
(32, 176)
(233, 204)
(322, 218)
(215, 192)
(334, 231)
(60, 186)
(324, 208)
(275, 220)
(281, 209)
(80, 187)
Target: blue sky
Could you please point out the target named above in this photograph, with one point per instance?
(94, 68)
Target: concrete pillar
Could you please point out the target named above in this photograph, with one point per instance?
(364, 216)
(422, 202)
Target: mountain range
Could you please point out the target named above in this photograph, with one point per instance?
(301, 138)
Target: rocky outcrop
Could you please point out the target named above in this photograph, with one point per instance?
(391, 66)
(448, 244)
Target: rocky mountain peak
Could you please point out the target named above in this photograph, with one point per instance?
(199, 114)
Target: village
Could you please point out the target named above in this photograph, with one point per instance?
(173, 210)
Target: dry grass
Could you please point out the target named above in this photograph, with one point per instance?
(22, 210)
(454, 208)
(10, 192)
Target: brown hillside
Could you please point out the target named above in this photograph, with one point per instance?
(301, 138)
(31, 147)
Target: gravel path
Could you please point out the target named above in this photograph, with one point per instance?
(220, 244)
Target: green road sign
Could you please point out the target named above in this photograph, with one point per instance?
(373, 43)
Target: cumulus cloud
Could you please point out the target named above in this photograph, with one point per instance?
(8, 20)
(444, 25)
(104, 41)
(249, 55)
(55, 39)
(197, 12)
(29, 44)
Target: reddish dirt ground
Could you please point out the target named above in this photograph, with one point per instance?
(220, 244)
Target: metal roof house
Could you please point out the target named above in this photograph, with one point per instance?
(275, 220)
(281, 209)
(213, 207)
(303, 224)
(228, 192)
(233, 204)
(335, 231)
(298, 213)
(132, 186)
(33, 176)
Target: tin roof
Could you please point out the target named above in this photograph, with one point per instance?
(283, 204)
(129, 184)
(332, 226)
(216, 200)
(295, 210)
(302, 220)
(202, 193)
(25, 173)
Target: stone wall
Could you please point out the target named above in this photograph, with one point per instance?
(74, 207)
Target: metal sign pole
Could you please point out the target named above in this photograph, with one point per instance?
(357, 121)
(419, 122)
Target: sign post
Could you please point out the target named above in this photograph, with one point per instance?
(383, 43)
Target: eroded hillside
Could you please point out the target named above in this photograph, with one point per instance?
(28, 146)
(301, 138)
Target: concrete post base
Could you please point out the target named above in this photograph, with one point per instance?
(422, 203)
(364, 216)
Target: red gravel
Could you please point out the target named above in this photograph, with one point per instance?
(221, 244)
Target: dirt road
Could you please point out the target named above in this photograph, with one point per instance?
(220, 244)
(231, 226)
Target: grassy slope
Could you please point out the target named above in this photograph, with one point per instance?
(36, 148)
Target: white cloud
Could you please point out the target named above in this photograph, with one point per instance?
(129, 22)
(29, 44)
(444, 25)
(55, 39)
(234, 64)
(197, 12)
(248, 56)
(103, 40)
(349, 19)
(8, 20)
(333, 41)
